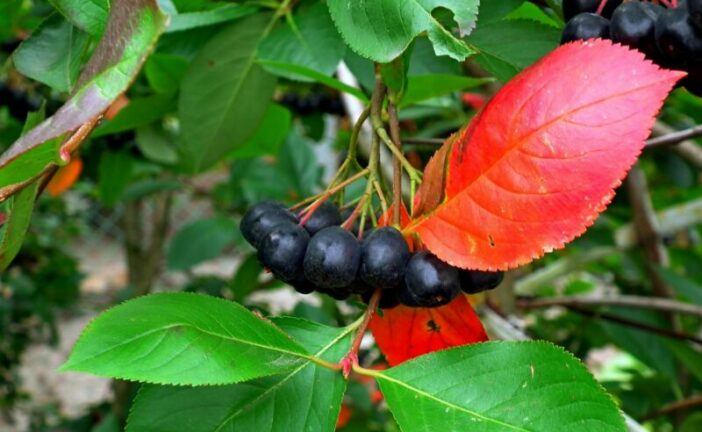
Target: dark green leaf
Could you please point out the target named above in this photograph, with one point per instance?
(115, 172)
(224, 95)
(115, 63)
(200, 241)
(308, 40)
(498, 386)
(315, 76)
(157, 144)
(307, 398)
(20, 208)
(52, 54)
(381, 29)
(139, 112)
(145, 188)
(495, 10)
(246, 278)
(685, 287)
(183, 339)
(430, 86)
(269, 135)
(165, 72)
(506, 47)
(88, 15)
(298, 165)
(223, 13)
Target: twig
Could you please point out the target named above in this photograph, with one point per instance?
(674, 137)
(639, 302)
(672, 407)
(424, 141)
(351, 358)
(396, 165)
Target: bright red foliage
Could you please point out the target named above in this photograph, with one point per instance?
(403, 333)
(541, 161)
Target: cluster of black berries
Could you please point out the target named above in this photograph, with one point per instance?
(671, 37)
(320, 255)
(313, 103)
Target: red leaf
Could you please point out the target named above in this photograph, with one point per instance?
(540, 162)
(403, 333)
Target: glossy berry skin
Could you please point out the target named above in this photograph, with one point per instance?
(388, 298)
(585, 26)
(261, 218)
(302, 285)
(634, 24)
(475, 281)
(694, 9)
(384, 255)
(332, 258)
(572, 8)
(325, 216)
(429, 282)
(677, 39)
(282, 251)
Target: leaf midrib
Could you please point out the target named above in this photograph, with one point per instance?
(284, 380)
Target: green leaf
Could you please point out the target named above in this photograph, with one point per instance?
(309, 40)
(381, 29)
(20, 208)
(183, 339)
(144, 188)
(498, 386)
(156, 144)
(693, 423)
(200, 241)
(307, 398)
(245, 280)
(315, 76)
(165, 72)
(138, 112)
(269, 136)
(88, 15)
(224, 95)
(508, 46)
(134, 28)
(394, 75)
(298, 165)
(52, 54)
(685, 287)
(430, 86)
(495, 10)
(224, 13)
(115, 172)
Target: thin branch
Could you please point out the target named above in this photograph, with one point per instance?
(396, 165)
(639, 302)
(424, 141)
(675, 406)
(350, 360)
(674, 137)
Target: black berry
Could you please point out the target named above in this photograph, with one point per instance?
(585, 26)
(429, 282)
(332, 258)
(388, 298)
(261, 218)
(282, 251)
(384, 255)
(475, 281)
(634, 24)
(302, 285)
(572, 8)
(677, 39)
(336, 293)
(325, 216)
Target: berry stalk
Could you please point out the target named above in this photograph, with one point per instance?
(350, 360)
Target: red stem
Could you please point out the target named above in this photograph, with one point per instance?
(351, 358)
(601, 7)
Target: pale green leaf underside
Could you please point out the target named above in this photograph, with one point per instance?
(305, 399)
(183, 339)
(382, 29)
(499, 386)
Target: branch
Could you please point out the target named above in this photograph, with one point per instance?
(675, 406)
(639, 302)
(396, 165)
(671, 138)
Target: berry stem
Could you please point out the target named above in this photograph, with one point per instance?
(396, 164)
(383, 134)
(350, 360)
(601, 7)
(318, 200)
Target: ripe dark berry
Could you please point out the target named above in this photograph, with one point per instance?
(302, 285)
(572, 8)
(384, 255)
(694, 8)
(336, 293)
(360, 287)
(261, 218)
(585, 26)
(634, 24)
(332, 258)
(282, 251)
(677, 39)
(475, 281)
(429, 282)
(326, 215)
(388, 298)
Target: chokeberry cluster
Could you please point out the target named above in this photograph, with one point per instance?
(669, 36)
(316, 253)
